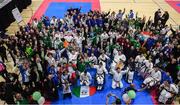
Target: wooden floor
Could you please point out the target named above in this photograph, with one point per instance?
(26, 14)
(143, 7)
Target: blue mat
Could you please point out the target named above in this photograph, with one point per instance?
(58, 9)
(100, 96)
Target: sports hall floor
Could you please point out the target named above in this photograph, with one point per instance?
(143, 7)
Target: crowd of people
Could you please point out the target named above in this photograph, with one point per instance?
(53, 53)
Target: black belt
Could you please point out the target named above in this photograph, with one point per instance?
(168, 90)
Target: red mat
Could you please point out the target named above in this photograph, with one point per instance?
(174, 4)
(154, 96)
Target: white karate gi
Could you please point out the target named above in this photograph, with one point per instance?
(69, 38)
(93, 59)
(53, 21)
(104, 36)
(103, 59)
(85, 79)
(100, 74)
(115, 52)
(72, 57)
(116, 82)
(79, 40)
(166, 93)
(130, 75)
(122, 57)
(139, 60)
(35, 23)
(148, 65)
(153, 78)
(116, 60)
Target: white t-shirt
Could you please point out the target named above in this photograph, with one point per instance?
(104, 36)
(35, 23)
(66, 88)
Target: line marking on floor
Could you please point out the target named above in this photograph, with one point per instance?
(164, 10)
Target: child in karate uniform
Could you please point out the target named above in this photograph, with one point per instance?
(103, 58)
(117, 77)
(85, 78)
(101, 70)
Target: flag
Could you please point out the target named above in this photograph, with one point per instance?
(84, 91)
(81, 66)
(65, 44)
(29, 51)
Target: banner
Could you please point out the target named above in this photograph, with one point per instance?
(84, 91)
(4, 2)
(17, 15)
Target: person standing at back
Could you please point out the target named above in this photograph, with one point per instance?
(165, 18)
(157, 17)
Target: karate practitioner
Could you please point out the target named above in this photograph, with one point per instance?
(139, 61)
(85, 78)
(146, 68)
(117, 76)
(100, 75)
(103, 58)
(68, 36)
(152, 79)
(72, 55)
(93, 59)
(168, 91)
(120, 56)
(117, 58)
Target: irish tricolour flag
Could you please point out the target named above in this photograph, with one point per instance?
(84, 91)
